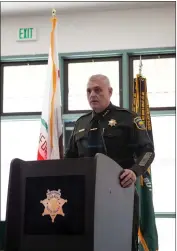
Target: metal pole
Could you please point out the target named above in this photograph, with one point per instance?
(140, 67)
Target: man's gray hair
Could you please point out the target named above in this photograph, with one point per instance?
(101, 77)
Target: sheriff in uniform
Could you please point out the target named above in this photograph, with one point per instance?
(115, 132)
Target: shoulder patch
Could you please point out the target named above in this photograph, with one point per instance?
(139, 123)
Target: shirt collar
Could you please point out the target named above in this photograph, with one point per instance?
(103, 113)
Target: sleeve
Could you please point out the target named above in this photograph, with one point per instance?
(143, 147)
(71, 150)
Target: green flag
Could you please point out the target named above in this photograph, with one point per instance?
(148, 236)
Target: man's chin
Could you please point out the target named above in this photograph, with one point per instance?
(94, 105)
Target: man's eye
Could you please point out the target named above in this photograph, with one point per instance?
(88, 91)
(97, 90)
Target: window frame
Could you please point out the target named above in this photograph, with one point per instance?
(126, 81)
(16, 63)
(154, 56)
(66, 62)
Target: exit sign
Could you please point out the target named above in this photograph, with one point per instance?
(26, 34)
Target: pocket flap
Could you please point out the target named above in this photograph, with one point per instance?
(79, 134)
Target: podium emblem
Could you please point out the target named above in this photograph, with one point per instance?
(112, 122)
(53, 204)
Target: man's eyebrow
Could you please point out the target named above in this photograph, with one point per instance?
(95, 87)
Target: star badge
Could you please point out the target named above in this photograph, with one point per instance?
(53, 204)
(112, 122)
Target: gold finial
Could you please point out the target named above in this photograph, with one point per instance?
(53, 12)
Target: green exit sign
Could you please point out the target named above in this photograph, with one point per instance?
(26, 34)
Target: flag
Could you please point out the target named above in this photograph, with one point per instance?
(50, 140)
(147, 233)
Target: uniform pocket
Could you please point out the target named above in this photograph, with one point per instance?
(113, 132)
(81, 142)
(117, 137)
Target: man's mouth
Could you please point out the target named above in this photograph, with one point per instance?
(94, 101)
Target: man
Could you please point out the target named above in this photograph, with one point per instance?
(115, 132)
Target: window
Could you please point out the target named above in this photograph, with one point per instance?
(19, 139)
(77, 73)
(163, 167)
(166, 233)
(23, 87)
(160, 74)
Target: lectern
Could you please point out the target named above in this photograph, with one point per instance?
(66, 205)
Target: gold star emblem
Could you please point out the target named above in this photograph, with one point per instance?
(112, 122)
(53, 204)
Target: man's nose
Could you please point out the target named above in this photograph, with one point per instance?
(92, 94)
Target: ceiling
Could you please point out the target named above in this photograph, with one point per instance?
(35, 8)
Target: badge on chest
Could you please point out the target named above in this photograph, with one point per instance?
(112, 122)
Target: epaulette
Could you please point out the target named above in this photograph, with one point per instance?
(122, 109)
(126, 110)
(83, 116)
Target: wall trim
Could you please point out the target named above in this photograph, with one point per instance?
(71, 55)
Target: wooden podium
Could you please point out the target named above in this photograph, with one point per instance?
(71, 204)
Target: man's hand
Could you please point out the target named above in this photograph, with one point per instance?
(127, 178)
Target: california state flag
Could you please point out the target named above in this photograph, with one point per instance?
(50, 140)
